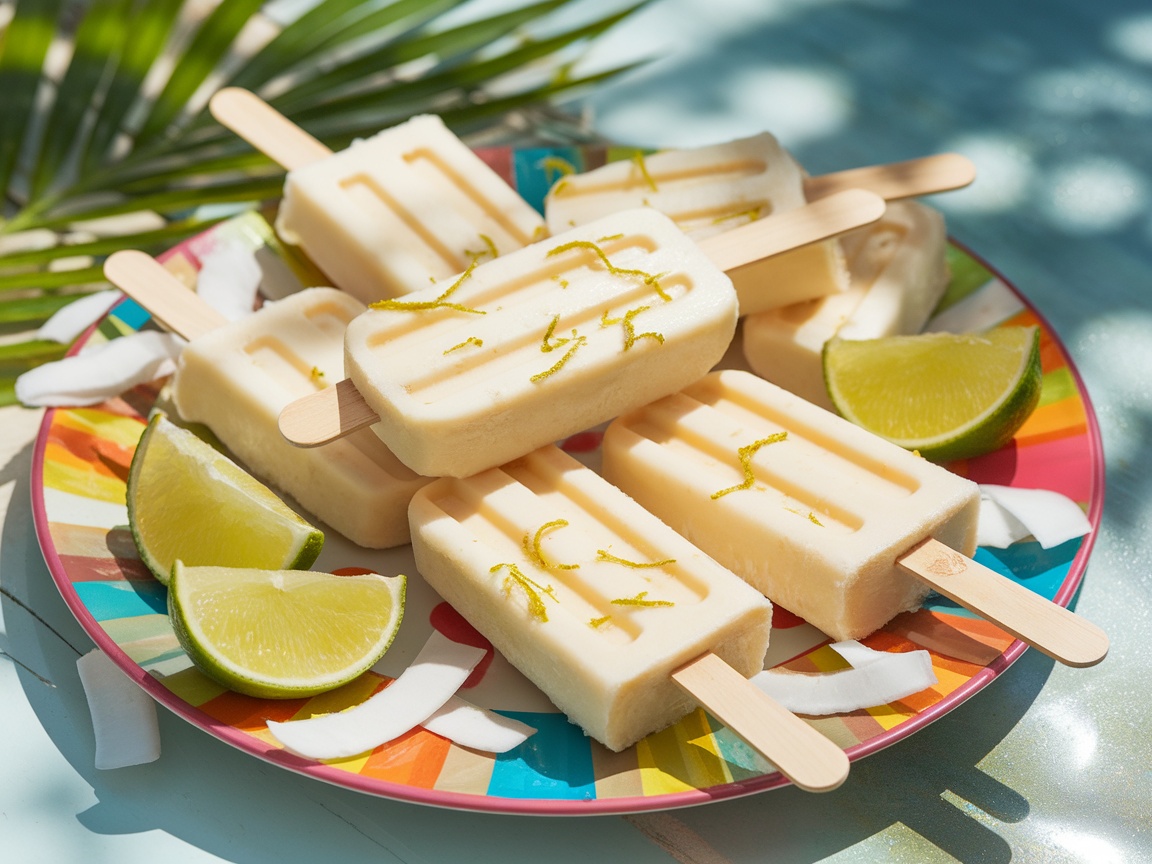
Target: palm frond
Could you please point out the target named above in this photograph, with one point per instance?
(119, 129)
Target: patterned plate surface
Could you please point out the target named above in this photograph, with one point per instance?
(81, 462)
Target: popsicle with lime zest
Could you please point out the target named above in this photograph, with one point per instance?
(708, 190)
(235, 377)
(625, 625)
(833, 523)
(536, 345)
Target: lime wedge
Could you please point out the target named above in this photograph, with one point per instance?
(948, 396)
(189, 501)
(281, 634)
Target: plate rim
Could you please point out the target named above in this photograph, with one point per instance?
(463, 801)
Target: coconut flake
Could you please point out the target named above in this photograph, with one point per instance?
(425, 686)
(229, 278)
(1013, 514)
(101, 371)
(72, 320)
(123, 715)
(876, 678)
(477, 728)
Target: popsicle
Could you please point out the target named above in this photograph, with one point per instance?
(899, 272)
(552, 339)
(235, 377)
(611, 613)
(709, 189)
(390, 214)
(831, 522)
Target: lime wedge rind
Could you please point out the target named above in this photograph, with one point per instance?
(242, 627)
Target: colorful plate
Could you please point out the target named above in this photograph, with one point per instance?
(81, 462)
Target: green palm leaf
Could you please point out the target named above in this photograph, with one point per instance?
(110, 136)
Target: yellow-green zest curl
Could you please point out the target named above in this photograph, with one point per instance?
(746, 454)
(605, 555)
(440, 302)
(641, 600)
(650, 279)
(534, 592)
(535, 554)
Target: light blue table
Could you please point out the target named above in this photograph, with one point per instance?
(1053, 101)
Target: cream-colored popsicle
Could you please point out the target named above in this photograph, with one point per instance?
(559, 336)
(828, 510)
(899, 272)
(830, 521)
(236, 377)
(710, 189)
(402, 209)
(620, 621)
(537, 345)
(705, 190)
(389, 214)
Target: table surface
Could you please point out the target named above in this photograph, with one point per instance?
(1053, 101)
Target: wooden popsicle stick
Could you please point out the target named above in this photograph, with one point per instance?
(820, 220)
(266, 129)
(1046, 626)
(324, 416)
(803, 755)
(171, 303)
(893, 181)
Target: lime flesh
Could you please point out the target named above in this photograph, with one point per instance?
(947, 396)
(186, 500)
(280, 634)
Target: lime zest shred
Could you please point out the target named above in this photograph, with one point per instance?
(556, 165)
(630, 334)
(441, 302)
(471, 340)
(547, 345)
(751, 215)
(539, 233)
(489, 249)
(640, 600)
(608, 238)
(316, 374)
(605, 321)
(638, 161)
(533, 591)
(559, 280)
(605, 555)
(536, 554)
(650, 279)
(746, 453)
(577, 342)
(810, 516)
(597, 623)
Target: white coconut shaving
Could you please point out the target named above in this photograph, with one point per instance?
(72, 320)
(123, 715)
(229, 278)
(1009, 514)
(876, 678)
(100, 372)
(432, 679)
(477, 728)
